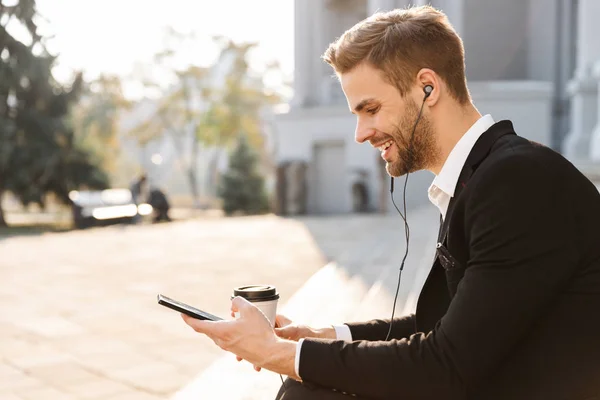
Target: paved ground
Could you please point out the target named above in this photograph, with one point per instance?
(78, 313)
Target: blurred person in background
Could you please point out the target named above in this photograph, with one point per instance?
(139, 193)
(139, 189)
(510, 309)
(160, 205)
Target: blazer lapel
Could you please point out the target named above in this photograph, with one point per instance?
(434, 300)
(480, 151)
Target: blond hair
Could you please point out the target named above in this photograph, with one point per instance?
(402, 42)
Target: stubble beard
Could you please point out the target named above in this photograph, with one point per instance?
(416, 154)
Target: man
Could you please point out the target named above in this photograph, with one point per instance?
(139, 190)
(511, 307)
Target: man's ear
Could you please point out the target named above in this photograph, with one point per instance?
(427, 77)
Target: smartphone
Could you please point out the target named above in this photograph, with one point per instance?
(186, 309)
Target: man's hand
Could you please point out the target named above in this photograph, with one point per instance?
(286, 329)
(249, 337)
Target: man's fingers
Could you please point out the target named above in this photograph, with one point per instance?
(282, 320)
(238, 358)
(208, 328)
(239, 303)
(281, 331)
(257, 369)
(286, 333)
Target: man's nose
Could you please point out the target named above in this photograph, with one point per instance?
(362, 132)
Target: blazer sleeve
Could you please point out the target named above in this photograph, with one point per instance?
(522, 253)
(377, 329)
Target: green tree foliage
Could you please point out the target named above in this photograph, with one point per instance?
(212, 104)
(95, 120)
(242, 188)
(38, 151)
(176, 115)
(235, 106)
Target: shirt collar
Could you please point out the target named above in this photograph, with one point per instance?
(447, 179)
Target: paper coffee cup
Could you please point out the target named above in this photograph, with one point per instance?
(264, 297)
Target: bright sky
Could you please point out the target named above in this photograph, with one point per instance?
(115, 36)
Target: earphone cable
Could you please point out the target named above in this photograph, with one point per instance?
(404, 217)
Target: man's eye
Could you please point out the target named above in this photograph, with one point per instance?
(372, 110)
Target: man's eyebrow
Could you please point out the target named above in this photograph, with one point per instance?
(362, 105)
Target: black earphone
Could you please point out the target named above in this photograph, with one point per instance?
(427, 89)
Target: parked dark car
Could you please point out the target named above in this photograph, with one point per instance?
(105, 207)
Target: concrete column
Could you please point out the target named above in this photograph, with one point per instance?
(320, 22)
(310, 43)
(542, 61)
(387, 5)
(302, 52)
(583, 88)
(595, 141)
(380, 5)
(454, 10)
(409, 3)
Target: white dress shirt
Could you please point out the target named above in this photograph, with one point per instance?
(440, 192)
(442, 188)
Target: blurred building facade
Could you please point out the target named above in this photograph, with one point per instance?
(535, 62)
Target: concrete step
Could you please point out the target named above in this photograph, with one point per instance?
(379, 300)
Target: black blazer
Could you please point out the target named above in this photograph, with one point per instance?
(511, 307)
